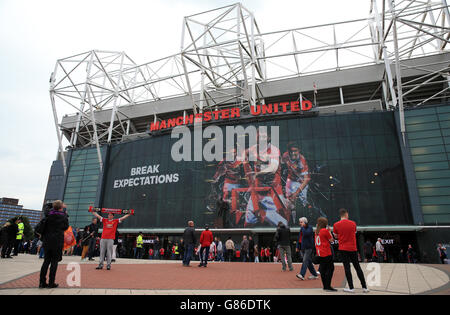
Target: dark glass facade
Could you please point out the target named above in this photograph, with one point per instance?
(428, 131)
(354, 162)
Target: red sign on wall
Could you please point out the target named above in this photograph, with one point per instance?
(232, 113)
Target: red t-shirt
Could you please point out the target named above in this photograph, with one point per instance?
(323, 246)
(345, 230)
(109, 228)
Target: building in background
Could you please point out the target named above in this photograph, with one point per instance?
(376, 139)
(10, 208)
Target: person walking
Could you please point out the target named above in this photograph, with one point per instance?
(206, 238)
(85, 241)
(229, 246)
(19, 237)
(244, 248)
(442, 252)
(262, 254)
(368, 249)
(93, 239)
(212, 251)
(150, 253)
(189, 243)
(323, 240)
(267, 254)
(256, 251)
(251, 249)
(116, 243)
(108, 235)
(219, 247)
(9, 234)
(411, 255)
(181, 250)
(345, 232)
(305, 244)
(379, 249)
(53, 241)
(283, 239)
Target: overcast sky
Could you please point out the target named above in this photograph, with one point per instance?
(34, 34)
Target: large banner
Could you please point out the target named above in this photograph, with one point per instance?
(263, 173)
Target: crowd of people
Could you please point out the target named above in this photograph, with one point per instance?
(313, 247)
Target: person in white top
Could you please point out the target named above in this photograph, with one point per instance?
(379, 250)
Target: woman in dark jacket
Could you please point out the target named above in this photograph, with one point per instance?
(53, 241)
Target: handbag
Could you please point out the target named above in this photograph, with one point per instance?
(315, 258)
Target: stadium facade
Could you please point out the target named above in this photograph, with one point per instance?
(361, 108)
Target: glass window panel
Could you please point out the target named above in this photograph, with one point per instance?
(427, 150)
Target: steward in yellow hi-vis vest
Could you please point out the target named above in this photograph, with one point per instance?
(19, 236)
(20, 233)
(139, 241)
(139, 245)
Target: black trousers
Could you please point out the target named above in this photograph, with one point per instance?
(17, 244)
(51, 258)
(204, 255)
(230, 253)
(92, 243)
(326, 271)
(352, 257)
(7, 248)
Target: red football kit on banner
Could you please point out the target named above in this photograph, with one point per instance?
(345, 230)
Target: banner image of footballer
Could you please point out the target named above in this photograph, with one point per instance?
(267, 186)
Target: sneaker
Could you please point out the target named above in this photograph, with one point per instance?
(99, 268)
(299, 276)
(365, 290)
(52, 285)
(313, 277)
(349, 290)
(108, 267)
(201, 265)
(330, 289)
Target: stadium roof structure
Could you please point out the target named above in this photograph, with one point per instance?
(395, 58)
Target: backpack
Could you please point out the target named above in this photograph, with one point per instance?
(40, 227)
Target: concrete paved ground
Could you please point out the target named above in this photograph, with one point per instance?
(19, 276)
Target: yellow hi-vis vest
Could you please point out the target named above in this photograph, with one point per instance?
(20, 233)
(139, 241)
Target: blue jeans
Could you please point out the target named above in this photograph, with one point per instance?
(307, 263)
(188, 250)
(41, 252)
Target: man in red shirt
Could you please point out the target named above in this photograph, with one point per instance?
(206, 238)
(345, 232)
(108, 236)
